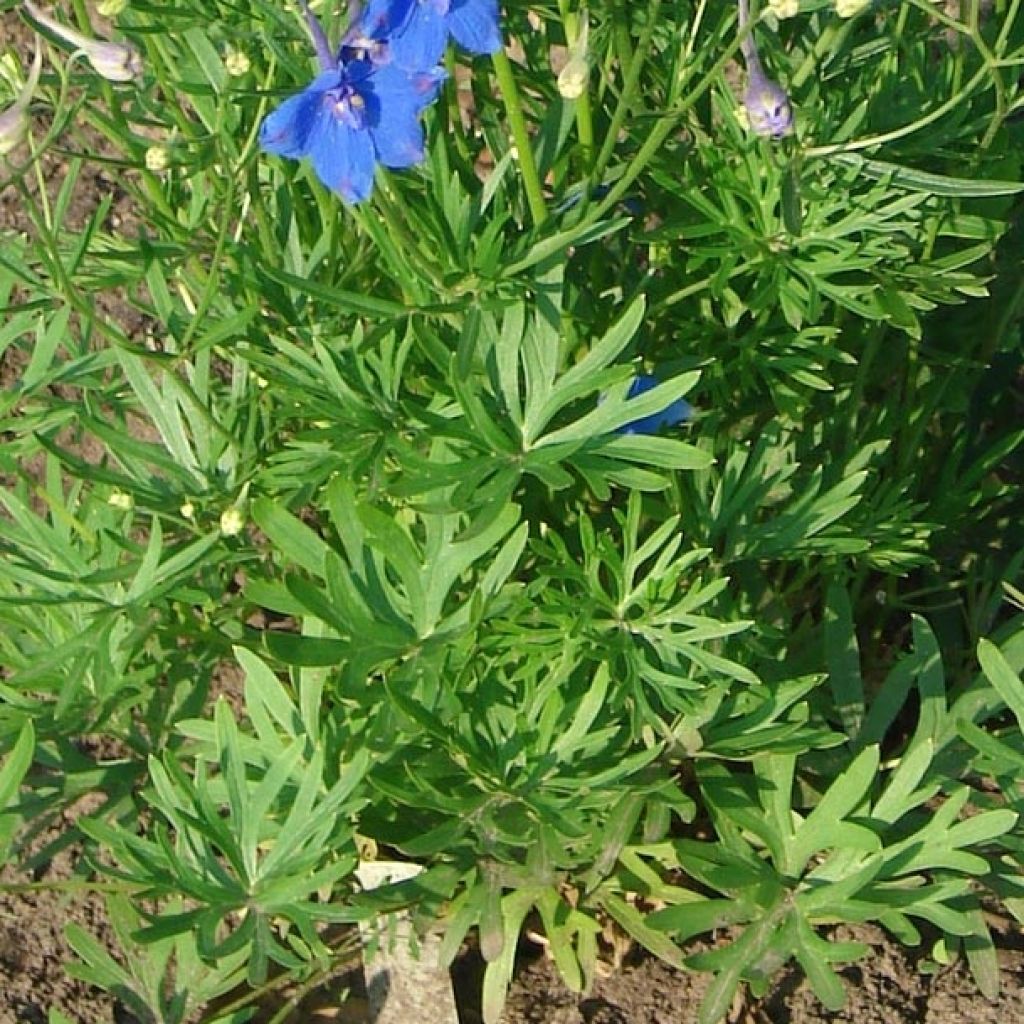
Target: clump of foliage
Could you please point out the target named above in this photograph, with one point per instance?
(407, 479)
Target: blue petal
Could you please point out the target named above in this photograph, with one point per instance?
(399, 90)
(399, 142)
(677, 412)
(475, 26)
(381, 19)
(421, 41)
(286, 130)
(343, 159)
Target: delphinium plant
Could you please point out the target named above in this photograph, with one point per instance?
(573, 448)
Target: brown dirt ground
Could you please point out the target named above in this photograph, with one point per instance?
(886, 988)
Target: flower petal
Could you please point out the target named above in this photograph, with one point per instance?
(343, 159)
(475, 25)
(397, 89)
(672, 415)
(286, 130)
(399, 141)
(421, 41)
(380, 19)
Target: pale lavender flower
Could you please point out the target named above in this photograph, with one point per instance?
(15, 120)
(116, 62)
(767, 105)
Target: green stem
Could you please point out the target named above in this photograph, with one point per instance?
(661, 131)
(830, 41)
(520, 136)
(908, 129)
(629, 90)
(456, 132)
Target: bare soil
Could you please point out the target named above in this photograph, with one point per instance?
(887, 988)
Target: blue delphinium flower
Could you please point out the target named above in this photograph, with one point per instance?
(671, 416)
(417, 31)
(355, 114)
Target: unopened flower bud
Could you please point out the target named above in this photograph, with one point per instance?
(232, 522)
(156, 159)
(572, 79)
(120, 500)
(767, 105)
(111, 8)
(848, 8)
(236, 63)
(15, 120)
(784, 8)
(116, 62)
(187, 510)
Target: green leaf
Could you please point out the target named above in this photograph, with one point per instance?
(981, 955)
(296, 541)
(498, 974)
(17, 764)
(15, 767)
(634, 924)
(1004, 680)
(821, 829)
(842, 656)
(901, 794)
(923, 181)
(825, 982)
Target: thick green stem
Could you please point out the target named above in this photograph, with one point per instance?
(520, 136)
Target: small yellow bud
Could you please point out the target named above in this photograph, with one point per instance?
(157, 159)
(232, 522)
(111, 8)
(849, 8)
(784, 8)
(572, 80)
(236, 63)
(122, 501)
(187, 510)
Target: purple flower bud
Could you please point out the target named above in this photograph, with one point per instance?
(765, 101)
(767, 104)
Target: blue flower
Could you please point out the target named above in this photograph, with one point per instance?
(671, 416)
(352, 116)
(417, 31)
